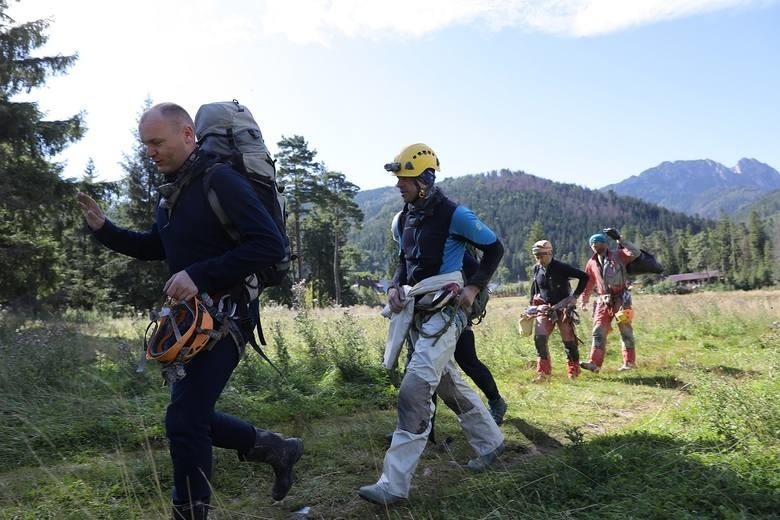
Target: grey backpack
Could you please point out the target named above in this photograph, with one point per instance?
(228, 130)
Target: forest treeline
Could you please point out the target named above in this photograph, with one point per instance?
(50, 261)
(49, 258)
(523, 208)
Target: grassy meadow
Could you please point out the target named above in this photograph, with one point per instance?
(693, 433)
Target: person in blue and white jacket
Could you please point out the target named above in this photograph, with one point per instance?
(431, 302)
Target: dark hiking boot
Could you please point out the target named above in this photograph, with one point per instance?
(281, 454)
(593, 367)
(497, 409)
(376, 495)
(195, 511)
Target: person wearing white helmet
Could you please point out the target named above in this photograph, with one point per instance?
(555, 303)
(431, 302)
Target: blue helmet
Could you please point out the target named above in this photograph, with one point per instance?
(598, 237)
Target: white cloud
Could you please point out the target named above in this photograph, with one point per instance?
(604, 16)
(319, 21)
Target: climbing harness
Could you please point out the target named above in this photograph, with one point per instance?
(445, 301)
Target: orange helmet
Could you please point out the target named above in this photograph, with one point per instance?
(179, 331)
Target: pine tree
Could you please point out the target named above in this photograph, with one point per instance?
(32, 193)
(722, 243)
(336, 209)
(300, 174)
(85, 274)
(139, 283)
(760, 252)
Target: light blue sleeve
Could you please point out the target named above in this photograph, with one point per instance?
(467, 225)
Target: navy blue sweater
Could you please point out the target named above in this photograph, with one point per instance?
(552, 283)
(194, 240)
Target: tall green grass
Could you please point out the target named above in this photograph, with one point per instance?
(693, 433)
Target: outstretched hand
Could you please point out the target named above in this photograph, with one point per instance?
(92, 213)
(612, 233)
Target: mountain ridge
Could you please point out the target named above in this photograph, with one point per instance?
(701, 186)
(512, 203)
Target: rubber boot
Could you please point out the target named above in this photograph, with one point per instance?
(281, 454)
(543, 371)
(595, 360)
(195, 511)
(572, 358)
(629, 359)
(484, 462)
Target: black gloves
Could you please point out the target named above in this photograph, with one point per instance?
(612, 233)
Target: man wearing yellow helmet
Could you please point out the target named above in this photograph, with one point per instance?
(431, 302)
(609, 280)
(551, 293)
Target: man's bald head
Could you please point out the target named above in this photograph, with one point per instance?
(169, 111)
(168, 133)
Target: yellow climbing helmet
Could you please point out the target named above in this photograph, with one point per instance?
(413, 161)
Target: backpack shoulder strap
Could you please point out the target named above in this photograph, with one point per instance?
(402, 221)
(216, 207)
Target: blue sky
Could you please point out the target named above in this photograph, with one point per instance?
(582, 91)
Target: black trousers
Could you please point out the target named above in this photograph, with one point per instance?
(467, 360)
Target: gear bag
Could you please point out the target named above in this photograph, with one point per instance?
(228, 130)
(645, 263)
